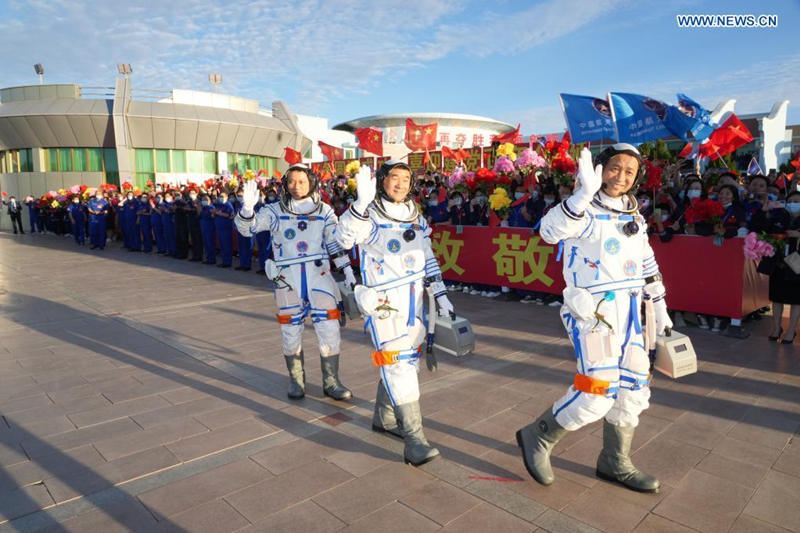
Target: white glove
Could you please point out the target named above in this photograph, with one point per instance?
(663, 320)
(365, 184)
(589, 181)
(445, 307)
(743, 231)
(349, 277)
(657, 291)
(250, 190)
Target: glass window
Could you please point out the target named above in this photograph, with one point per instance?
(94, 161)
(144, 160)
(209, 162)
(143, 177)
(65, 159)
(162, 161)
(231, 162)
(79, 159)
(110, 163)
(52, 160)
(179, 161)
(194, 161)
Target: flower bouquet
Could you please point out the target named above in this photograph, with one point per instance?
(705, 216)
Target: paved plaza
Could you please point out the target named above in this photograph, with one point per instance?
(144, 393)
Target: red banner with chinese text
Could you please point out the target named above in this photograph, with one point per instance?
(722, 283)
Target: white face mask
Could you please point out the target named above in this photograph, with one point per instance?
(693, 194)
(664, 217)
(480, 199)
(793, 208)
(518, 195)
(457, 201)
(99, 197)
(549, 201)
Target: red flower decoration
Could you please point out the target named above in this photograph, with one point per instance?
(484, 174)
(703, 211)
(653, 177)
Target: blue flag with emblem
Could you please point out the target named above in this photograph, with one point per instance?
(703, 126)
(588, 118)
(754, 169)
(639, 119)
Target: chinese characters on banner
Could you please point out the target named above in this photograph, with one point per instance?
(520, 259)
(367, 161)
(508, 256)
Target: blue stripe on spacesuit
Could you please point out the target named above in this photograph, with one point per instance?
(412, 293)
(560, 251)
(303, 282)
(572, 254)
(324, 292)
(574, 397)
(589, 226)
(386, 385)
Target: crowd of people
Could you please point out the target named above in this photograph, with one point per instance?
(194, 221)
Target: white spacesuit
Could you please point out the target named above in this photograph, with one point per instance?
(609, 269)
(302, 242)
(397, 263)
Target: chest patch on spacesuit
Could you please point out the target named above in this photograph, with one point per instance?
(629, 267)
(393, 246)
(302, 247)
(289, 234)
(612, 246)
(409, 261)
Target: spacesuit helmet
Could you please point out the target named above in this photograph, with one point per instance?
(383, 172)
(623, 148)
(313, 183)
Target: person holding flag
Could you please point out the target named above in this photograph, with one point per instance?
(397, 261)
(609, 270)
(302, 229)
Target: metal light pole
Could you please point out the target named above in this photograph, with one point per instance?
(39, 68)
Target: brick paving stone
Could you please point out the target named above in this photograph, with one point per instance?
(393, 517)
(104, 475)
(220, 439)
(658, 524)
(190, 492)
(705, 502)
(288, 456)
(606, 510)
(23, 501)
(305, 517)
(175, 430)
(294, 486)
(777, 501)
(57, 464)
(736, 471)
(789, 461)
(212, 517)
(122, 516)
(667, 459)
(440, 502)
(748, 524)
(556, 522)
(117, 410)
(746, 452)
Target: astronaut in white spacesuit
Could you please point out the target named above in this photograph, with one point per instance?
(302, 227)
(397, 263)
(609, 270)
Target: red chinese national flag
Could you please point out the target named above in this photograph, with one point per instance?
(292, 156)
(331, 152)
(371, 140)
(420, 137)
(512, 137)
(458, 156)
(730, 136)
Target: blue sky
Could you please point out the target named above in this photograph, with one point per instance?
(350, 58)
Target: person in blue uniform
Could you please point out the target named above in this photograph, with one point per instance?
(77, 216)
(145, 227)
(207, 230)
(223, 221)
(98, 210)
(195, 234)
(245, 242)
(131, 228)
(181, 226)
(33, 215)
(168, 223)
(157, 225)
